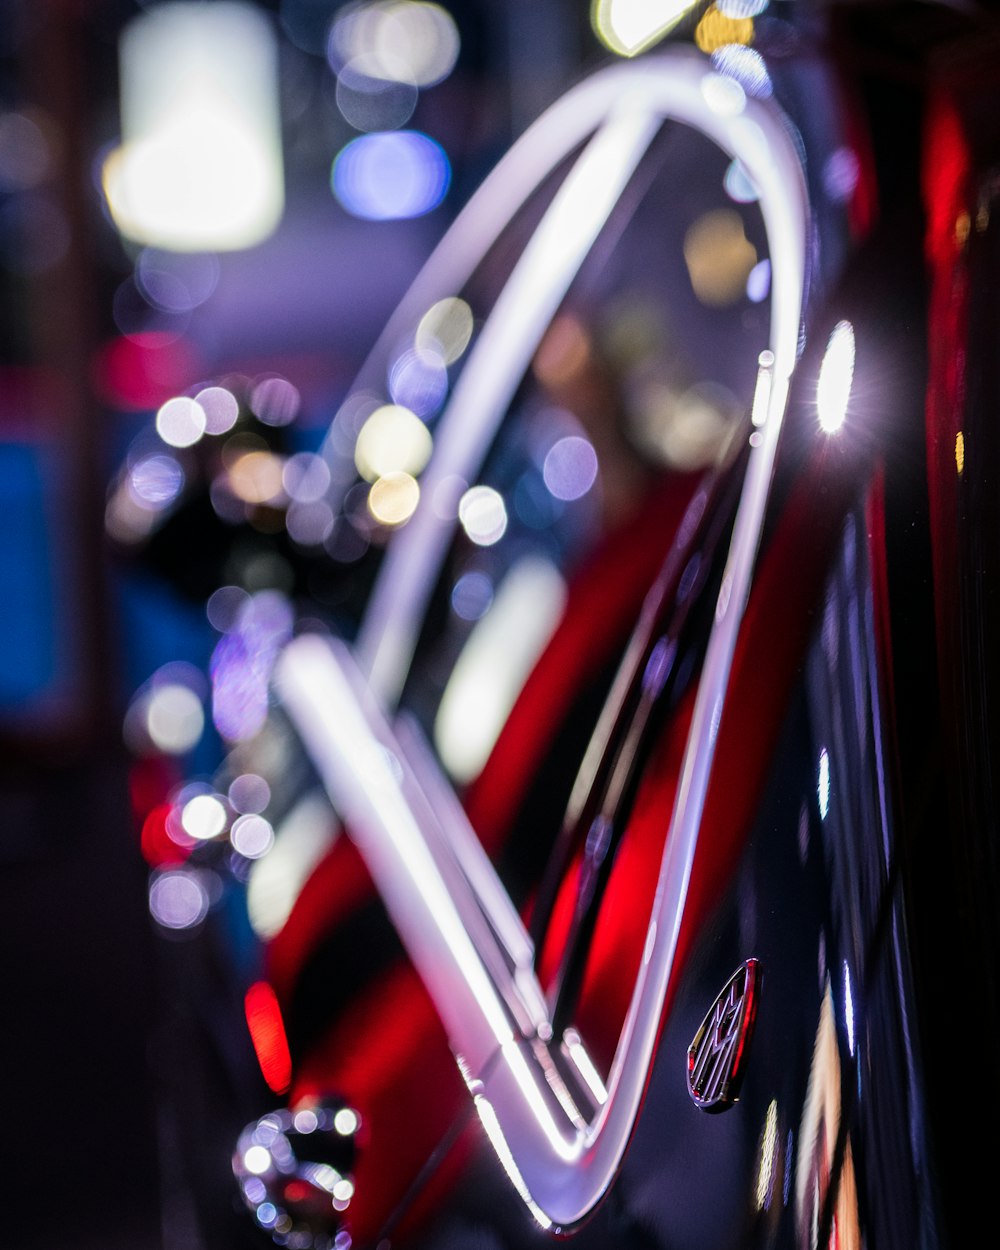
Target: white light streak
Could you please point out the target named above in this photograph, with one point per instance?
(823, 784)
(836, 374)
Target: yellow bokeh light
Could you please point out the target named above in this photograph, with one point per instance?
(719, 257)
(393, 499)
(960, 452)
(256, 477)
(392, 440)
(715, 30)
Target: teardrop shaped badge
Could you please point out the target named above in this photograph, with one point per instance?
(717, 1055)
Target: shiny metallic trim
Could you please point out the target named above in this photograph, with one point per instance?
(560, 1157)
(717, 1056)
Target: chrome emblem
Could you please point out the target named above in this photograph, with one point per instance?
(716, 1056)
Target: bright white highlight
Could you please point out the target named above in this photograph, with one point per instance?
(823, 784)
(204, 817)
(836, 374)
(257, 1160)
(392, 440)
(848, 1008)
(630, 26)
(181, 422)
(346, 1121)
(483, 515)
(199, 168)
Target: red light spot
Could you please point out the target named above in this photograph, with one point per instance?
(158, 847)
(296, 1192)
(142, 372)
(267, 1032)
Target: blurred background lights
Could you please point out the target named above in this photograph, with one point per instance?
(242, 661)
(275, 401)
(178, 899)
(249, 793)
(266, 1214)
(445, 330)
(483, 515)
(370, 101)
(399, 39)
(716, 29)
(257, 477)
(391, 175)
(840, 174)
(25, 159)
(836, 374)
(221, 408)
(257, 1159)
(252, 836)
(204, 817)
(471, 596)
(154, 482)
(310, 524)
(719, 257)
(224, 607)
(305, 477)
(741, 8)
(346, 1121)
(630, 26)
(570, 467)
(181, 422)
(393, 499)
(392, 440)
(173, 282)
(746, 66)
(418, 381)
(200, 167)
(306, 1121)
(175, 719)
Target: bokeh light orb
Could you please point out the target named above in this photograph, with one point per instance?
(391, 175)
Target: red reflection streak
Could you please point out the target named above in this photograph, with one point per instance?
(267, 1032)
(947, 191)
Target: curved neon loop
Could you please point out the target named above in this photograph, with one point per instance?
(561, 1150)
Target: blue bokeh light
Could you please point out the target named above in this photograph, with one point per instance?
(391, 174)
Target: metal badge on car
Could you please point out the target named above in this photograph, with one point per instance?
(716, 1056)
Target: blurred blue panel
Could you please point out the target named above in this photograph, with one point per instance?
(28, 651)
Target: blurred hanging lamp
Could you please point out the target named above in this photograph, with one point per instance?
(199, 167)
